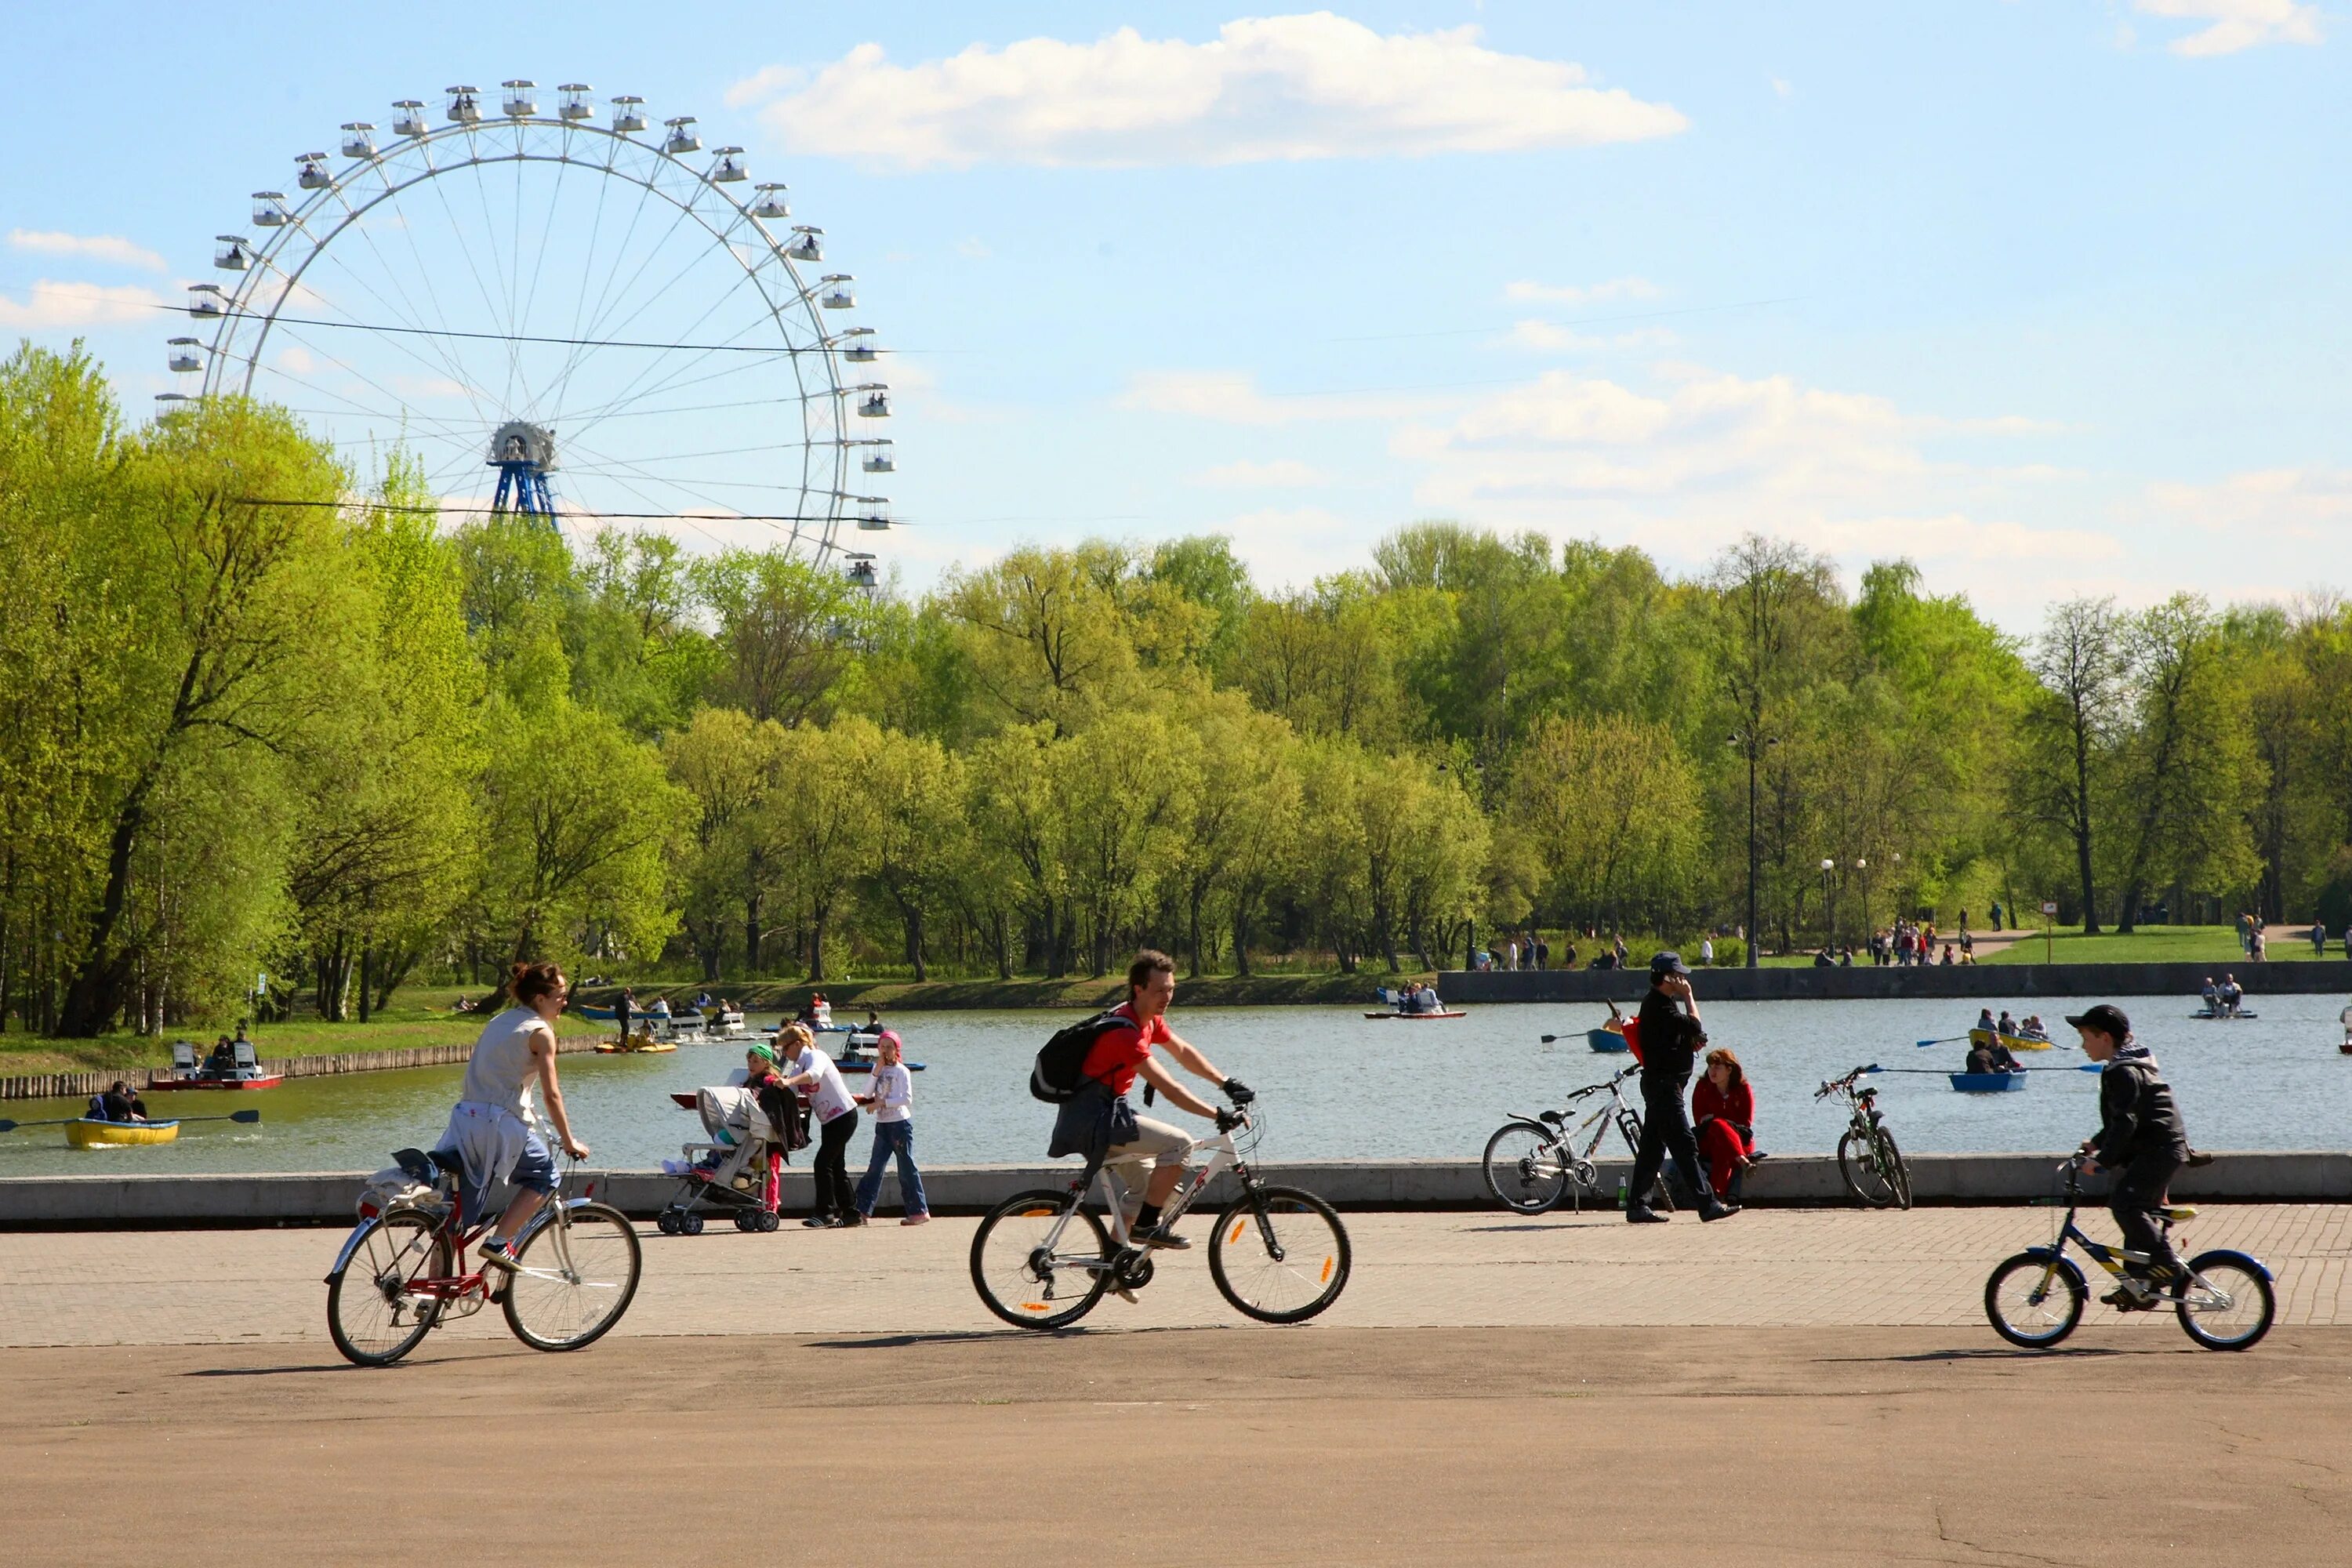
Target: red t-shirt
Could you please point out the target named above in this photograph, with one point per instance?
(1118, 1052)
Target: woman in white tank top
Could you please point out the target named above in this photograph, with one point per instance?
(493, 1132)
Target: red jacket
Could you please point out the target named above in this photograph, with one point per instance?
(1737, 1108)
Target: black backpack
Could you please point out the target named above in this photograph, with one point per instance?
(1060, 1069)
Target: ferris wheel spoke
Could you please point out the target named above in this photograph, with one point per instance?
(502, 309)
(489, 307)
(538, 262)
(584, 327)
(614, 463)
(634, 387)
(443, 365)
(603, 327)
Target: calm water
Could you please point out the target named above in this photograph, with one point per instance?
(1333, 1084)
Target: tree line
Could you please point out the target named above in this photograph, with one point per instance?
(265, 723)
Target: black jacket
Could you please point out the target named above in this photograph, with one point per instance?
(1670, 1039)
(2137, 1115)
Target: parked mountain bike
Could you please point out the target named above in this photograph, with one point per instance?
(2035, 1299)
(1042, 1259)
(1533, 1161)
(1867, 1158)
(398, 1276)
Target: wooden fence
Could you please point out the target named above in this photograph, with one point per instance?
(81, 1085)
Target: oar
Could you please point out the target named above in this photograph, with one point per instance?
(249, 1117)
(1946, 1040)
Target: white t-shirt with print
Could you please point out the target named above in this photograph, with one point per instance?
(828, 1096)
(894, 1093)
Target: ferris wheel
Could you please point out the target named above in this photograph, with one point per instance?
(580, 316)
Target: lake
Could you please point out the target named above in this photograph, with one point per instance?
(1333, 1084)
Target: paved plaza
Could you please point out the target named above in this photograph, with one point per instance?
(1766, 1267)
(1786, 1388)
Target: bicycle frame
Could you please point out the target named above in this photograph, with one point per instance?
(556, 1211)
(2113, 1258)
(1223, 1156)
(1618, 1112)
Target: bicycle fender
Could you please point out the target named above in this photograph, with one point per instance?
(351, 1244)
(2066, 1265)
(2234, 1256)
(1515, 1120)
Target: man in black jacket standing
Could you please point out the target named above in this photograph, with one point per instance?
(2141, 1139)
(1670, 1036)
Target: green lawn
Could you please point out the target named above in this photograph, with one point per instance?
(2217, 945)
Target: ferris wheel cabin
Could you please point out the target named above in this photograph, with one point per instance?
(880, 457)
(408, 118)
(521, 99)
(464, 105)
(861, 570)
(771, 205)
(269, 210)
(578, 103)
(809, 247)
(359, 139)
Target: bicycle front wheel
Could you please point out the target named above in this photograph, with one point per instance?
(1027, 1282)
(2228, 1304)
(374, 1313)
(1526, 1167)
(1280, 1254)
(575, 1275)
(2034, 1299)
(1871, 1167)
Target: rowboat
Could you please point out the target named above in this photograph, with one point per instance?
(1987, 1082)
(1604, 1040)
(88, 1132)
(632, 1048)
(2226, 1016)
(2014, 1042)
(1440, 1013)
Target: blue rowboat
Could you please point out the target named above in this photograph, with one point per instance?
(1987, 1082)
(1604, 1040)
(602, 1014)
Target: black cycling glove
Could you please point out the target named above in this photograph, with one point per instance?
(1238, 1092)
(1228, 1120)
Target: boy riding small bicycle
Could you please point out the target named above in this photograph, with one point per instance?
(2142, 1140)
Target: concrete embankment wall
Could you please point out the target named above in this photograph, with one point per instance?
(75, 1085)
(1988, 981)
(328, 1197)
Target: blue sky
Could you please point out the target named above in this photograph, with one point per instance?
(2053, 296)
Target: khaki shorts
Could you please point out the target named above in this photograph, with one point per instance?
(1156, 1144)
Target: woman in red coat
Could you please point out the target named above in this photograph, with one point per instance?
(1724, 1108)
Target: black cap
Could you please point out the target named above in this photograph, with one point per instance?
(2106, 1017)
(1666, 960)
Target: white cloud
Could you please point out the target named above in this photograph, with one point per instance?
(2235, 25)
(50, 304)
(1232, 397)
(1548, 336)
(1283, 473)
(2301, 503)
(972, 248)
(1586, 294)
(1290, 547)
(1272, 88)
(105, 247)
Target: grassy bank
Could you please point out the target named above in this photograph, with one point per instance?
(2216, 945)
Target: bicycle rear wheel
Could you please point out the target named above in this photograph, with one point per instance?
(1526, 1167)
(373, 1314)
(1280, 1254)
(2227, 1306)
(1023, 1283)
(573, 1280)
(1873, 1169)
(2034, 1299)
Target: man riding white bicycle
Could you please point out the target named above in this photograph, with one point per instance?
(1099, 1122)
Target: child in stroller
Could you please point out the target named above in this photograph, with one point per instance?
(753, 1126)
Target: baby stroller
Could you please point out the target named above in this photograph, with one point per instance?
(736, 1173)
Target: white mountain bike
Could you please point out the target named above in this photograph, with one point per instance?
(1042, 1259)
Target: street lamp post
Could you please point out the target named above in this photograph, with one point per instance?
(1861, 864)
(1829, 901)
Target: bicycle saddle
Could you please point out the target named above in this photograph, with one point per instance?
(2179, 1212)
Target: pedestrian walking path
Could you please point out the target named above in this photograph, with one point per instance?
(1798, 1269)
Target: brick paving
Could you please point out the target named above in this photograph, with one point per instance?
(1794, 1269)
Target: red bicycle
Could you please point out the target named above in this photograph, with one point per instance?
(398, 1276)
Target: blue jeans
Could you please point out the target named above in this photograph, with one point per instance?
(893, 1138)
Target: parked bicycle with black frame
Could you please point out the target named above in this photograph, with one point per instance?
(1867, 1158)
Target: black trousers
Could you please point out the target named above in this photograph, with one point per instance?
(1666, 1129)
(2141, 1188)
(834, 1195)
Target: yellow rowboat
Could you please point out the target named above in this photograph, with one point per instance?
(2014, 1042)
(91, 1134)
(641, 1046)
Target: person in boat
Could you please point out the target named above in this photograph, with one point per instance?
(2033, 1028)
(240, 1040)
(660, 1009)
(2212, 994)
(873, 1022)
(1984, 1021)
(2231, 996)
(120, 1102)
(702, 1001)
(2008, 1024)
(493, 1135)
(1980, 1057)
(1724, 1107)
(222, 1058)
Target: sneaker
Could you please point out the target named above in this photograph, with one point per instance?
(1642, 1214)
(1159, 1238)
(916, 1219)
(496, 1255)
(819, 1222)
(849, 1221)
